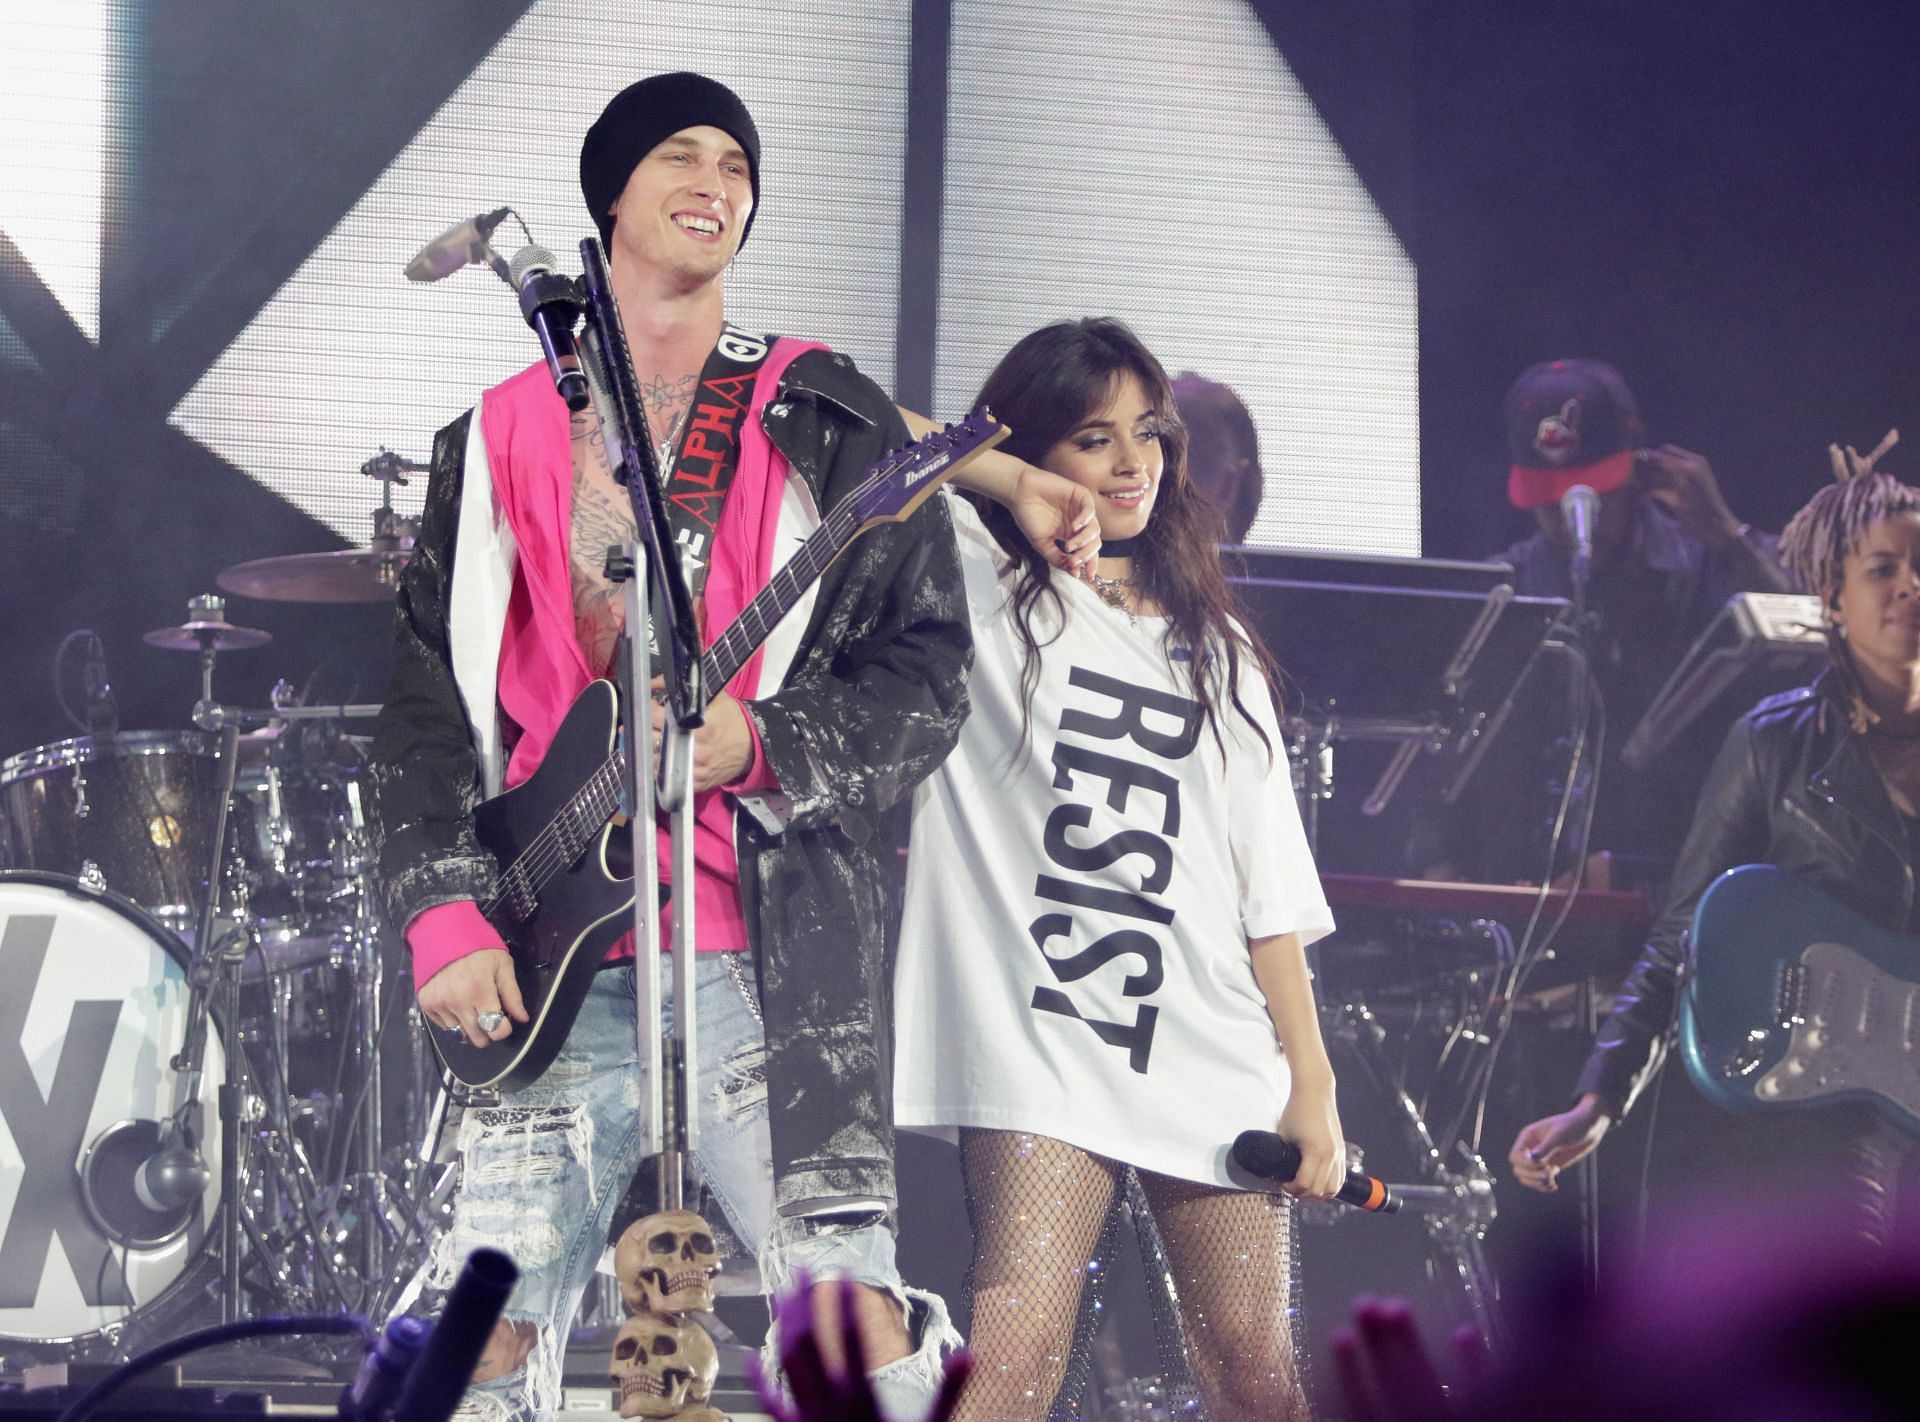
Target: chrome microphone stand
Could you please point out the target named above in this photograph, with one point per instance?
(669, 1125)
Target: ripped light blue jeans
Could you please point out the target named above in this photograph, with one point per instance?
(543, 1172)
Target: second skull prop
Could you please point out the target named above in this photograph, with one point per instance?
(663, 1367)
(666, 1263)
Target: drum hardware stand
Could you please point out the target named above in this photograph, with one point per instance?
(1456, 1205)
(392, 534)
(215, 971)
(211, 715)
(362, 1203)
(1311, 737)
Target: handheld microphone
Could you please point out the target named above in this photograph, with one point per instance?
(461, 245)
(375, 1390)
(1275, 1158)
(439, 1372)
(103, 712)
(1580, 506)
(551, 303)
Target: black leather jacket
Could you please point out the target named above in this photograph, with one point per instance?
(1792, 786)
(872, 703)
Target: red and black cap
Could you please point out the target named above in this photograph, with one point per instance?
(1570, 422)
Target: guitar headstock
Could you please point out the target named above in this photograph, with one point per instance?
(900, 482)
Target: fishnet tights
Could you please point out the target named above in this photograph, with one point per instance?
(1038, 1207)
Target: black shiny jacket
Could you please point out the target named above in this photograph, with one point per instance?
(1792, 786)
(872, 703)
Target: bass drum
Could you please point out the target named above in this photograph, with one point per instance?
(94, 1008)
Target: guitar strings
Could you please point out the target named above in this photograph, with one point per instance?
(548, 852)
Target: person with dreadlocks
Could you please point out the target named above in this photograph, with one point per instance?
(1823, 781)
(1101, 964)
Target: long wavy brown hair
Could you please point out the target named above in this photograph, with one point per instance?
(1047, 386)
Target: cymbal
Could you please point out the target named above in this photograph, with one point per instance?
(206, 636)
(349, 575)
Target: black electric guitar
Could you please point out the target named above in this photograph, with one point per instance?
(565, 894)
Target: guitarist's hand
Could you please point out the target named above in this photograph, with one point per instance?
(1548, 1146)
(1058, 518)
(454, 997)
(722, 746)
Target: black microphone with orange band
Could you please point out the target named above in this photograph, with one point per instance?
(1275, 1158)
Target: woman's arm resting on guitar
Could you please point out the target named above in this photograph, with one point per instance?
(1056, 514)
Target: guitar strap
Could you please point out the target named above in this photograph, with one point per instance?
(708, 454)
(704, 463)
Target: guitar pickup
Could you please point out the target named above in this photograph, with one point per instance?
(521, 902)
(1790, 1002)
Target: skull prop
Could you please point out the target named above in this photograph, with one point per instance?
(666, 1263)
(662, 1366)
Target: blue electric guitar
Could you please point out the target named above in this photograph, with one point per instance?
(1796, 1000)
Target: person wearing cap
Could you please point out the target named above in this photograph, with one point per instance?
(1573, 422)
(1824, 782)
(803, 767)
(1667, 553)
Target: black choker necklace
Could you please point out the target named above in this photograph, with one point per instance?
(1118, 547)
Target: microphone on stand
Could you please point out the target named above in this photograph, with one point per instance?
(103, 712)
(551, 303)
(142, 1181)
(1276, 1159)
(461, 245)
(174, 1176)
(1580, 506)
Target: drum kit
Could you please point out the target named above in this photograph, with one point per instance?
(210, 1104)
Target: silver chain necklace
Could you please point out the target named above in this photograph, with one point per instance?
(1116, 593)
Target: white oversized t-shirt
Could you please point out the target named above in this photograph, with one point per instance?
(1073, 959)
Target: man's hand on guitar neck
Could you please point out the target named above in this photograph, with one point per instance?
(722, 746)
(456, 997)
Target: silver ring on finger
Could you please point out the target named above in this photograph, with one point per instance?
(489, 1022)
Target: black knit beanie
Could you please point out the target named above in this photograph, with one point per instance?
(642, 116)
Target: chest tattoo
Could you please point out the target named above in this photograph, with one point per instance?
(667, 401)
(602, 518)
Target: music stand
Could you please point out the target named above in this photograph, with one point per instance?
(1759, 643)
(1422, 652)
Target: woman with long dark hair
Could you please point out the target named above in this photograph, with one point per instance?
(1109, 894)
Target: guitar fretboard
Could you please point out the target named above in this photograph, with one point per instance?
(722, 661)
(581, 817)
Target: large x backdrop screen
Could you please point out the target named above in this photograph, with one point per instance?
(1159, 163)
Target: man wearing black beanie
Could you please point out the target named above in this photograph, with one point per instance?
(804, 766)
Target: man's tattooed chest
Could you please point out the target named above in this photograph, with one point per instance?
(603, 514)
(602, 519)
